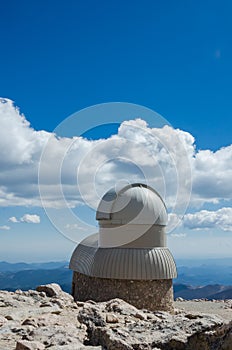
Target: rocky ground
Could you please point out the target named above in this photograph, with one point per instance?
(48, 318)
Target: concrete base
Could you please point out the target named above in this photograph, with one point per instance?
(153, 295)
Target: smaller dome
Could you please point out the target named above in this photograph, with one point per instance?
(134, 204)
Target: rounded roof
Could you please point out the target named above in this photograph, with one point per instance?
(122, 263)
(134, 204)
(131, 240)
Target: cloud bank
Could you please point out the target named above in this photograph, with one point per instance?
(77, 170)
(205, 219)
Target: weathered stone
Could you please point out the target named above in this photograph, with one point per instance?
(51, 289)
(19, 291)
(179, 299)
(110, 318)
(59, 329)
(2, 321)
(56, 312)
(75, 346)
(80, 303)
(45, 304)
(9, 317)
(29, 345)
(164, 330)
(30, 322)
(56, 334)
(139, 315)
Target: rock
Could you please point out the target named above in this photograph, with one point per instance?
(29, 345)
(139, 315)
(42, 294)
(2, 321)
(110, 325)
(160, 329)
(56, 312)
(45, 304)
(30, 322)
(19, 291)
(56, 334)
(179, 299)
(75, 346)
(51, 290)
(110, 318)
(60, 303)
(9, 317)
(80, 303)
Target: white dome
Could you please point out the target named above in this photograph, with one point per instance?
(131, 242)
(134, 204)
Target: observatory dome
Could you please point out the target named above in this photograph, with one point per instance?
(131, 242)
(134, 204)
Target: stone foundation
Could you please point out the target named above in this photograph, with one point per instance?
(153, 295)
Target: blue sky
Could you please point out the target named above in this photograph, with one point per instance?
(173, 57)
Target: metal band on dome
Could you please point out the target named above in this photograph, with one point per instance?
(123, 263)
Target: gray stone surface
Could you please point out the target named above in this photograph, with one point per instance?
(110, 325)
(144, 294)
(162, 330)
(51, 290)
(29, 345)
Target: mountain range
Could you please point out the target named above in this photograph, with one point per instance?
(193, 282)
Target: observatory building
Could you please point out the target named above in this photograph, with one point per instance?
(128, 257)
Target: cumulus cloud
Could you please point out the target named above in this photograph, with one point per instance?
(4, 227)
(205, 219)
(30, 219)
(13, 219)
(76, 170)
(212, 175)
(19, 143)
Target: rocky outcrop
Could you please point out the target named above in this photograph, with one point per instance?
(120, 326)
(48, 318)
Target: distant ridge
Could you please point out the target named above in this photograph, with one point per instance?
(210, 292)
(21, 266)
(196, 282)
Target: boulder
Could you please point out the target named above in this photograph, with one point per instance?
(161, 330)
(29, 345)
(51, 290)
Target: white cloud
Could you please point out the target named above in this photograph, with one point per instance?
(89, 168)
(13, 219)
(4, 227)
(19, 143)
(30, 218)
(174, 221)
(74, 227)
(205, 219)
(212, 175)
(178, 235)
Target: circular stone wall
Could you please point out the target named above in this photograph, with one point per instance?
(153, 295)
